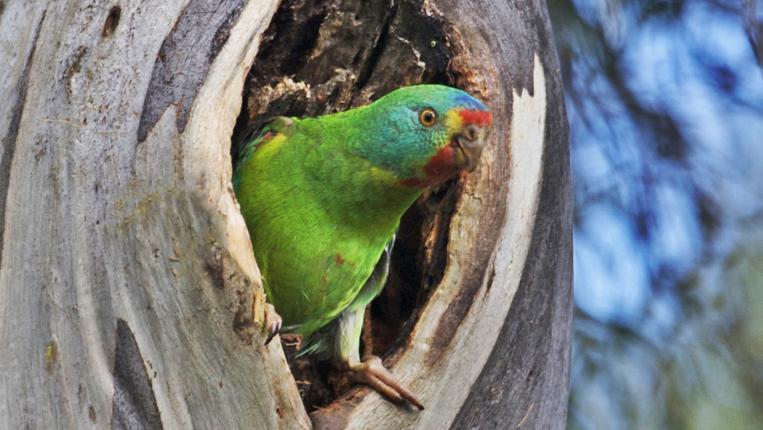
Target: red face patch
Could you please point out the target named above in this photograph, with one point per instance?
(441, 163)
(479, 118)
(440, 166)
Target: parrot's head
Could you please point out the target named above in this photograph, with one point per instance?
(427, 133)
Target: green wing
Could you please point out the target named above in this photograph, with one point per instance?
(340, 339)
(306, 200)
(257, 135)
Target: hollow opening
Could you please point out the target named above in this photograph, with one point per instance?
(313, 61)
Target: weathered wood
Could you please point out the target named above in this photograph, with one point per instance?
(126, 273)
(128, 290)
(524, 382)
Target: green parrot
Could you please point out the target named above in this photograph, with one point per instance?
(322, 199)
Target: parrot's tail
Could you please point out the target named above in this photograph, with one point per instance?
(316, 344)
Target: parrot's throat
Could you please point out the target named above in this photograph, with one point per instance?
(439, 167)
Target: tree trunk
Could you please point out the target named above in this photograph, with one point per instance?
(129, 294)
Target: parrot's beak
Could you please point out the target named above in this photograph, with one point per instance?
(469, 143)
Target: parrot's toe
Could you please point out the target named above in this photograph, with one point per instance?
(273, 322)
(373, 373)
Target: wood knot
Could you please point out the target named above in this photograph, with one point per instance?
(112, 21)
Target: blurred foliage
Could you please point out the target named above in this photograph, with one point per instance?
(665, 103)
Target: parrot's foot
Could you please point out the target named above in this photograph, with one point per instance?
(273, 322)
(373, 373)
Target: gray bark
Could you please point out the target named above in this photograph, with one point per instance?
(129, 295)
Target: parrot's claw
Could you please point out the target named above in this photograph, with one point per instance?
(273, 322)
(373, 373)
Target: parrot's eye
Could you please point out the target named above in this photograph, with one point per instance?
(427, 117)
